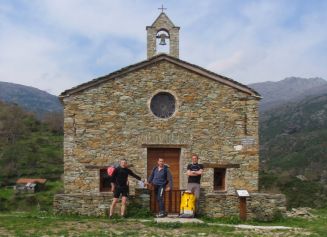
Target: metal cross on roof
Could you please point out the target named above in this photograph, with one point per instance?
(162, 8)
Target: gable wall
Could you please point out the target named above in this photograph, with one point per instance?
(113, 121)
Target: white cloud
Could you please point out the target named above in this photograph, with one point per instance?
(97, 19)
(227, 63)
(54, 45)
(27, 59)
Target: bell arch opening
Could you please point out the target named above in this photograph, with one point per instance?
(162, 41)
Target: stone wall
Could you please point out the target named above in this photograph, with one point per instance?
(82, 204)
(260, 206)
(113, 120)
(95, 204)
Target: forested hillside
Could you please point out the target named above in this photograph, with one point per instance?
(293, 151)
(29, 147)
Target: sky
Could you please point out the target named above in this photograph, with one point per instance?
(54, 45)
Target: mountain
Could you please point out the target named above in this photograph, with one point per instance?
(290, 89)
(293, 140)
(30, 99)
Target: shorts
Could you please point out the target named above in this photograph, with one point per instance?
(121, 191)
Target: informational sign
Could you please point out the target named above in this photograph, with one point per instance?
(242, 193)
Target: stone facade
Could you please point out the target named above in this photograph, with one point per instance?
(113, 121)
(110, 118)
(163, 23)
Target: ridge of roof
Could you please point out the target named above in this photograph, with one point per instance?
(157, 58)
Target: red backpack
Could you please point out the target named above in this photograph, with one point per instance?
(111, 169)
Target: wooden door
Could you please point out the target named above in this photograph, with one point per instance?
(171, 157)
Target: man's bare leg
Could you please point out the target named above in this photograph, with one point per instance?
(123, 205)
(112, 207)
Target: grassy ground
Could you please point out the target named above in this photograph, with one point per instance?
(42, 223)
(31, 215)
(9, 201)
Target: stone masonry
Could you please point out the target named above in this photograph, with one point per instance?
(162, 23)
(260, 206)
(110, 118)
(113, 121)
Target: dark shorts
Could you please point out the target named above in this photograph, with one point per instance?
(121, 191)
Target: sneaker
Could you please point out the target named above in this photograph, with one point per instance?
(161, 215)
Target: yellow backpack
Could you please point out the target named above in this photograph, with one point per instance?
(187, 208)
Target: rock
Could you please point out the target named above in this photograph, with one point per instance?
(301, 177)
(302, 212)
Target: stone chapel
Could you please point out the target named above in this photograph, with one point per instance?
(163, 107)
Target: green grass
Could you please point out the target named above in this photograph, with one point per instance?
(37, 220)
(6, 193)
(43, 223)
(42, 201)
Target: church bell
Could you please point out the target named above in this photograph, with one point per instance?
(162, 39)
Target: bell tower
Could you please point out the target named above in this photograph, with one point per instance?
(162, 33)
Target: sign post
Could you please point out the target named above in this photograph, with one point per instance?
(242, 194)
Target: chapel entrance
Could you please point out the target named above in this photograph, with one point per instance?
(172, 158)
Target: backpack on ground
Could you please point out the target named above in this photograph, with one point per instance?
(187, 208)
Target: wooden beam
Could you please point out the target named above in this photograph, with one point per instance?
(220, 165)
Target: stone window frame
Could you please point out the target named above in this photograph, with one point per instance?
(222, 173)
(101, 182)
(177, 103)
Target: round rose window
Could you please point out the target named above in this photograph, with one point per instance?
(163, 105)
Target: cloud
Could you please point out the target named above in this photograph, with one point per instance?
(227, 63)
(30, 59)
(54, 45)
(268, 40)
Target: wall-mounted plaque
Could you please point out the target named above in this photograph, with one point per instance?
(248, 141)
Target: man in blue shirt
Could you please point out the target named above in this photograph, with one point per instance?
(160, 177)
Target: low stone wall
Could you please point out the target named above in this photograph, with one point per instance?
(94, 204)
(82, 204)
(261, 206)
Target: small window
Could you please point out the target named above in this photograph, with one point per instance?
(105, 181)
(219, 179)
